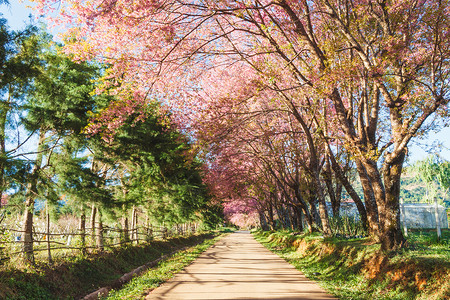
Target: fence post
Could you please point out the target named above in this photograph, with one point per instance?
(402, 209)
(436, 215)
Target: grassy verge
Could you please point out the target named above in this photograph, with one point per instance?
(77, 276)
(140, 286)
(358, 269)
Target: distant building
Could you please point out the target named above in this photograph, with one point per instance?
(422, 215)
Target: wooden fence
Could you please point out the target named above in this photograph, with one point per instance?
(73, 241)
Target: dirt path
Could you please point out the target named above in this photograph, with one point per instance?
(238, 267)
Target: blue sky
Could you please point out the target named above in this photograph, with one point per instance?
(17, 14)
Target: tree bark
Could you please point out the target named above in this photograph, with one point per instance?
(136, 226)
(49, 253)
(392, 237)
(5, 106)
(370, 203)
(341, 176)
(100, 240)
(270, 217)
(314, 169)
(263, 222)
(82, 230)
(93, 217)
(125, 233)
(133, 224)
(27, 229)
(327, 176)
(298, 213)
(304, 207)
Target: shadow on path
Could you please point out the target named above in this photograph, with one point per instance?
(238, 267)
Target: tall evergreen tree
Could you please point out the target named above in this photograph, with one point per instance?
(19, 63)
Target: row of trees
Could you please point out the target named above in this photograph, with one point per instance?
(284, 95)
(47, 101)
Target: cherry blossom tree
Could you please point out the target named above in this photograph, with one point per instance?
(380, 66)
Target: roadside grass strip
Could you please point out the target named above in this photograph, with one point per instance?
(358, 269)
(142, 285)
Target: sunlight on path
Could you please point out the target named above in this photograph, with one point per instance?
(238, 267)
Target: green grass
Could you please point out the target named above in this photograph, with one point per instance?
(140, 286)
(358, 269)
(425, 243)
(77, 276)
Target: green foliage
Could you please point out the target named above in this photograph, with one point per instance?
(18, 65)
(148, 164)
(157, 169)
(61, 94)
(212, 216)
(412, 187)
(435, 173)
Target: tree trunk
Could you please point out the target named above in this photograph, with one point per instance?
(370, 202)
(299, 215)
(27, 229)
(5, 106)
(270, 217)
(287, 217)
(327, 177)
(100, 240)
(293, 218)
(315, 217)
(125, 233)
(263, 221)
(302, 206)
(150, 233)
(49, 253)
(136, 226)
(281, 220)
(392, 237)
(133, 224)
(147, 228)
(93, 216)
(323, 212)
(338, 195)
(314, 169)
(164, 232)
(339, 173)
(82, 230)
